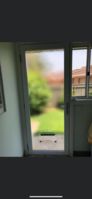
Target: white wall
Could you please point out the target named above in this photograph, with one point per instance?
(82, 117)
(10, 128)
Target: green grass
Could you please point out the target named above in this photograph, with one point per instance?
(51, 121)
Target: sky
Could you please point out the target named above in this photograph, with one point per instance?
(54, 59)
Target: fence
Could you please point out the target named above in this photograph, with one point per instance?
(79, 90)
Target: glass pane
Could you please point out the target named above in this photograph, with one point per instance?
(90, 78)
(45, 74)
(79, 59)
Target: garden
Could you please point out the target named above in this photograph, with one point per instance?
(49, 120)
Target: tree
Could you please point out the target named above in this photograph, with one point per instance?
(39, 92)
(35, 62)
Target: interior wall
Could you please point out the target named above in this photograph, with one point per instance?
(11, 143)
(81, 120)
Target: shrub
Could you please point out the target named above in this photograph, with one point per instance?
(61, 101)
(39, 92)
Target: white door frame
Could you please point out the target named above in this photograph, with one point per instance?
(23, 92)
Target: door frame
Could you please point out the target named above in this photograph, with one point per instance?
(23, 93)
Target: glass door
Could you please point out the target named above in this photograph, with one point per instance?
(45, 80)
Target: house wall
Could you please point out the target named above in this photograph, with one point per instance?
(90, 79)
(10, 128)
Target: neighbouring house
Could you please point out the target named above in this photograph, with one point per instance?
(56, 84)
(79, 81)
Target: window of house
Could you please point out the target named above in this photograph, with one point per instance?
(79, 80)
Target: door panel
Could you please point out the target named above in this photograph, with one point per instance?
(45, 78)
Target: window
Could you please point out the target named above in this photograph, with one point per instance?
(82, 72)
(79, 57)
(79, 80)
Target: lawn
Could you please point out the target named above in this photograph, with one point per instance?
(52, 121)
